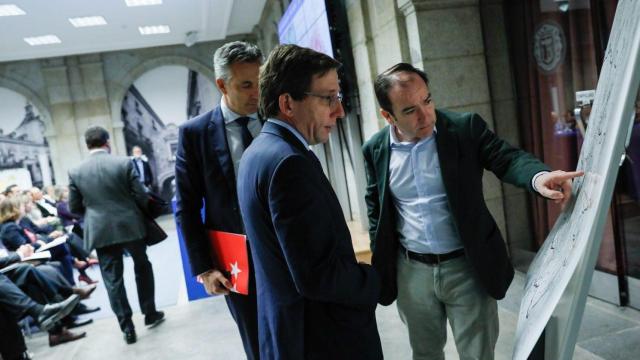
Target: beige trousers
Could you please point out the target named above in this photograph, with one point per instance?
(428, 295)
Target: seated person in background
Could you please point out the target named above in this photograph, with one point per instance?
(62, 205)
(11, 190)
(49, 194)
(44, 282)
(81, 257)
(34, 213)
(15, 304)
(46, 209)
(69, 219)
(13, 235)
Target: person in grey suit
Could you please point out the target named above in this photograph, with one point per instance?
(106, 190)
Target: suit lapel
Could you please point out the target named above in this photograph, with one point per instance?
(218, 138)
(447, 145)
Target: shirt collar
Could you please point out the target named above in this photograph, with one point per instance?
(230, 116)
(395, 142)
(292, 129)
(93, 151)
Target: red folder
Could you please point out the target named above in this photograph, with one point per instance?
(230, 250)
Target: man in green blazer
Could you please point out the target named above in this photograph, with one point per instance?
(435, 244)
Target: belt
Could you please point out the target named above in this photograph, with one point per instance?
(433, 259)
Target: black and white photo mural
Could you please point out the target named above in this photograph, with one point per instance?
(25, 158)
(153, 108)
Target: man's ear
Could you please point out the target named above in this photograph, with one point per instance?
(285, 104)
(387, 116)
(222, 86)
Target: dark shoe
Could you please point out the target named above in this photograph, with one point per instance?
(24, 356)
(86, 279)
(64, 336)
(70, 322)
(84, 292)
(130, 335)
(154, 319)
(52, 313)
(82, 309)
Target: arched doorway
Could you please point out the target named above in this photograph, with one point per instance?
(154, 107)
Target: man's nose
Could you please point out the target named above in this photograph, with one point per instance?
(255, 92)
(422, 113)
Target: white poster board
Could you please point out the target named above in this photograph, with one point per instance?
(560, 276)
(20, 177)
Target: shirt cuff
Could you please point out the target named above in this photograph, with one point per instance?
(535, 177)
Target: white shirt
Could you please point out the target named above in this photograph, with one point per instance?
(233, 131)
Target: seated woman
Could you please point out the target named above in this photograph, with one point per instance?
(13, 235)
(66, 216)
(82, 260)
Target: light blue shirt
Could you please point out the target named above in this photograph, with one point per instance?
(233, 131)
(292, 129)
(425, 224)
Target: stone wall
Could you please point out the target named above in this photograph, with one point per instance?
(74, 92)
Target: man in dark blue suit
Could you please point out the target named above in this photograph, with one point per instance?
(315, 300)
(142, 167)
(207, 160)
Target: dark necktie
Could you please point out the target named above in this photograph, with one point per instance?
(247, 138)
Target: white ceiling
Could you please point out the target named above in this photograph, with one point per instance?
(212, 19)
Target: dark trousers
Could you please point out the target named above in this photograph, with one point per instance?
(11, 342)
(62, 254)
(244, 310)
(51, 272)
(111, 267)
(14, 301)
(76, 246)
(34, 283)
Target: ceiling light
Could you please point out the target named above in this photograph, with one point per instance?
(154, 29)
(87, 21)
(42, 40)
(10, 10)
(132, 3)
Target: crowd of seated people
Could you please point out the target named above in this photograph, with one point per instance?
(43, 289)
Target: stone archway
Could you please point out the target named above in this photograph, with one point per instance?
(35, 100)
(142, 121)
(137, 71)
(42, 166)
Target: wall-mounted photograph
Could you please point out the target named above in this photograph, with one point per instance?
(23, 145)
(152, 110)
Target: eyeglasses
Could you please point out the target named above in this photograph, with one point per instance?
(331, 100)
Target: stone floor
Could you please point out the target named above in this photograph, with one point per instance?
(203, 329)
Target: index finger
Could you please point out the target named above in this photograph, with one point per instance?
(567, 175)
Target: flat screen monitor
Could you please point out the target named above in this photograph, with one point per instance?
(305, 23)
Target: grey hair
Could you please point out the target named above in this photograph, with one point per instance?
(234, 52)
